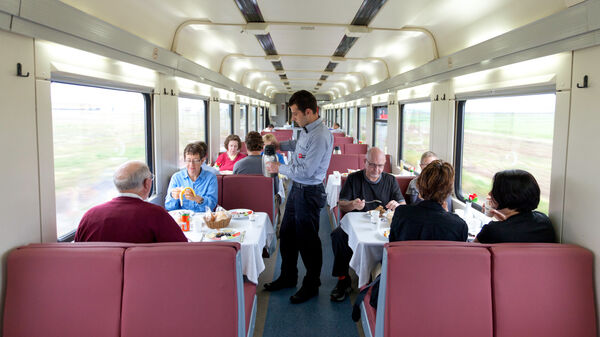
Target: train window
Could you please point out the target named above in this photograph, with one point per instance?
(380, 114)
(252, 119)
(499, 133)
(414, 123)
(362, 124)
(261, 119)
(94, 131)
(243, 121)
(192, 123)
(344, 118)
(350, 124)
(226, 122)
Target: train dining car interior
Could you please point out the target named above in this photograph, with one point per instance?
(487, 86)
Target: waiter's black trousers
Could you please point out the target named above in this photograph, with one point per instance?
(299, 233)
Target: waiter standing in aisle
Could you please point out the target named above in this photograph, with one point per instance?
(307, 168)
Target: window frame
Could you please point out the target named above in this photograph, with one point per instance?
(206, 119)
(351, 112)
(148, 133)
(245, 117)
(358, 121)
(376, 107)
(460, 106)
(401, 127)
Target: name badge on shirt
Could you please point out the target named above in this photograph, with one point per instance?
(300, 155)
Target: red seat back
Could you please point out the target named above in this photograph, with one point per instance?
(338, 141)
(53, 291)
(244, 150)
(403, 182)
(220, 189)
(153, 301)
(282, 135)
(254, 192)
(444, 291)
(355, 148)
(388, 164)
(543, 290)
(342, 162)
(338, 134)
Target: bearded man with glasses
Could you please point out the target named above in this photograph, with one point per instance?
(361, 188)
(202, 182)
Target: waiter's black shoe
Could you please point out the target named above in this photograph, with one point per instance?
(304, 294)
(342, 288)
(279, 284)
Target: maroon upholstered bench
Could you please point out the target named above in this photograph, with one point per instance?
(119, 289)
(438, 288)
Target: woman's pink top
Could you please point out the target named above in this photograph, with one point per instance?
(226, 164)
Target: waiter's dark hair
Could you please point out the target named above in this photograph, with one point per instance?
(516, 189)
(304, 100)
(436, 181)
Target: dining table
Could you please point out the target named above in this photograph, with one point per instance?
(366, 241)
(256, 234)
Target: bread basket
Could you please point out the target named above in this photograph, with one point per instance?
(212, 222)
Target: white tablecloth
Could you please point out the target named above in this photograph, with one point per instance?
(333, 188)
(366, 242)
(259, 233)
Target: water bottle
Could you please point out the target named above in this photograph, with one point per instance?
(268, 156)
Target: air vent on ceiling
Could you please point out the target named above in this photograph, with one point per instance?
(319, 84)
(323, 78)
(286, 83)
(330, 66)
(307, 27)
(344, 46)
(367, 12)
(266, 42)
(283, 77)
(277, 65)
(250, 10)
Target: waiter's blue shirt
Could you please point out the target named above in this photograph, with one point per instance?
(204, 186)
(311, 154)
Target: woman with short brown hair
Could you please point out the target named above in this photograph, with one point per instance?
(429, 220)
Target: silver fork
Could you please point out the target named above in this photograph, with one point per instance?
(368, 202)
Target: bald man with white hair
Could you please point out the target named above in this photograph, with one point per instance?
(128, 217)
(362, 186)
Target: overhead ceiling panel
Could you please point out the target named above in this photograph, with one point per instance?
(157, 20)
(209, 47)
(330, 11)
(472, 21)
(295, 40)
(304, 63)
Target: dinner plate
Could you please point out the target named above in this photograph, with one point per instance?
(176, 214)
(240, 213)
(224, 234)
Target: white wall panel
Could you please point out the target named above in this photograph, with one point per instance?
(46, 160)
(582, 185)
(19, 200)
(10, 6)
(5, 20)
